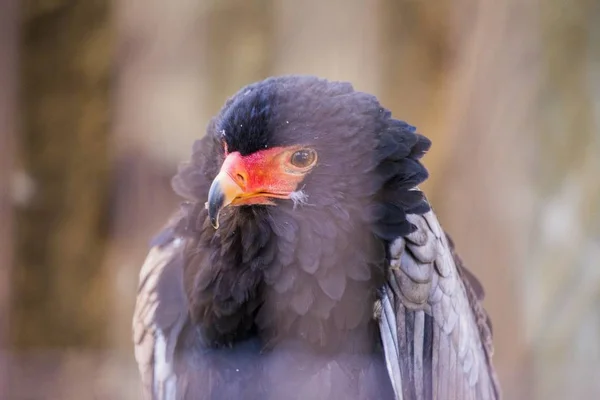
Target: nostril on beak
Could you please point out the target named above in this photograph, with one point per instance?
(241, 179)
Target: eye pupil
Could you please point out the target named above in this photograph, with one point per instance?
(303, 158)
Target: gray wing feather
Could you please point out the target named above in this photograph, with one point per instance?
(435, 333)
(389, 336)
(159, 315)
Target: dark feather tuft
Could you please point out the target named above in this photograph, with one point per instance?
(398, 173)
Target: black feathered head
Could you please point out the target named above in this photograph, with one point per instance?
(309, 142)
(296, 187)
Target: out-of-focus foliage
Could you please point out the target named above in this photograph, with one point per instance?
(113, 93)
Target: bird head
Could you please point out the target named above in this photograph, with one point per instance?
(294, 142)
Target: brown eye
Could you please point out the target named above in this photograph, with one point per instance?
(303, 158)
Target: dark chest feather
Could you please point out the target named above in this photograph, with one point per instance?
(270, 274)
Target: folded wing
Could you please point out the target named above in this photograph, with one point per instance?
(436, 335)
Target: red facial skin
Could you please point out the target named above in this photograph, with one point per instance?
(263, 175)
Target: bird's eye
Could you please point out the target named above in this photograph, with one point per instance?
(303, 158)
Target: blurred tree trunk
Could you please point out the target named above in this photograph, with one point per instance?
(60, 291)
(564, 323)
(8, 112)
(338, 40)
(417, 53)
(240, 48)
(484, 176)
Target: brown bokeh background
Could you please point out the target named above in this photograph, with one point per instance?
(100, 100)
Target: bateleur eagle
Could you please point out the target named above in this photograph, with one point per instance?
(306, 264)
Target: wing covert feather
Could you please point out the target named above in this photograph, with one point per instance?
(159, 315)
(433, 326)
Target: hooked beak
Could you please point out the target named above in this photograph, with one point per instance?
(223, 191)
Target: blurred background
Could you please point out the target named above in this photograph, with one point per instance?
(100, 100)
